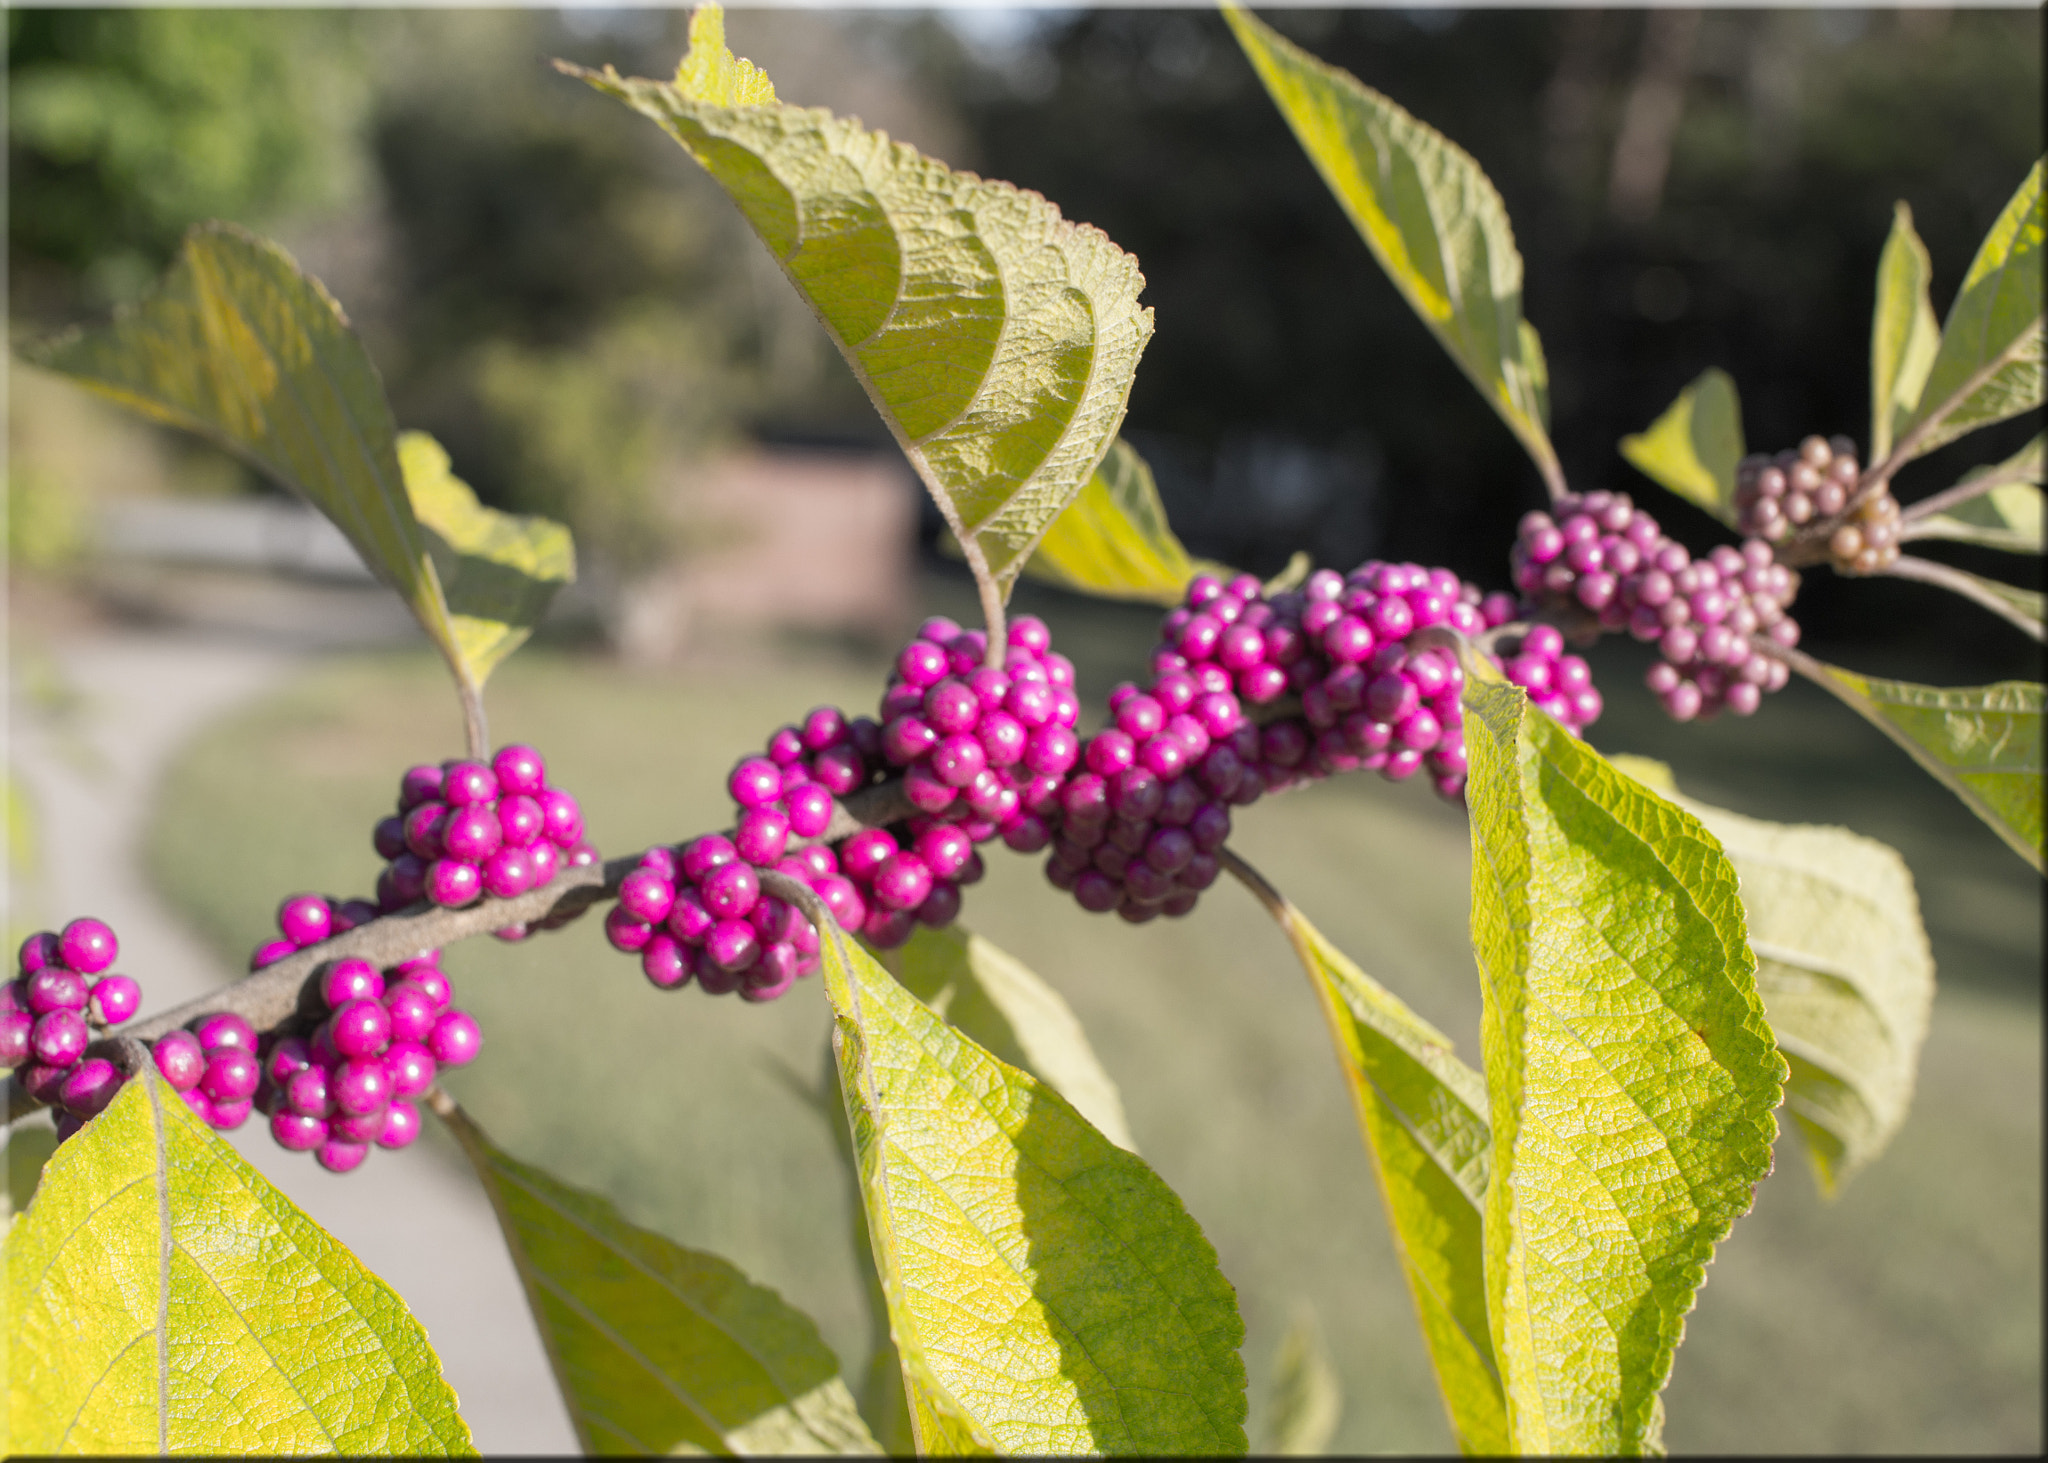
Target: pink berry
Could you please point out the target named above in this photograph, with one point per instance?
(411, 1066)
(309, 1092)
(455, 1039)
(361, 1028)
(224, 1029)
(297, 1132)
(287, 1059)
(337, 1155)
(520, 820)
(350, 980)
(90, 1087)
(115, 998)
(519, 769)
(451, 883)
(232, 1074)
(361, 1085)
(401, 1126)
(508, 873)
(465, 784)
(562, 817)
(179, 1058)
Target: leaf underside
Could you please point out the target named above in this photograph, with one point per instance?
(240, 346)
(1631, 1073)
(1693, 448)
(1844, 967)
(658, 1347)
(163, 1296)
(1004, 1007)
(1113, 540)
(996, 338)
(499, 571)
(1046, 1291)
(1983, 743)
(1904, 334)
(2010, 515)
(1430, 216)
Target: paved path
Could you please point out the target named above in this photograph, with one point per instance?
(416, 1219)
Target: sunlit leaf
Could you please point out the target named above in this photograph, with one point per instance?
(1006, 1009)
(498, 570)
(1423, 1114)
(1047, 1292)
(240, 346)
(997, 339)
(1844, 967)
(1694, 447)
(1983, 743)
(1307, 1400)
(2011, 514)
(1904, 334)
(657, 1347)
(1430, 216)
(1631, 1073)
(1989, 364)
(162, 1296)
(1113, 540)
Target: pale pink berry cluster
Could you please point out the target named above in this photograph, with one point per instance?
(464, 830)
(49, 1011)
(1599, 557)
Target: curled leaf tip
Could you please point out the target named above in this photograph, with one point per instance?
(710, 73)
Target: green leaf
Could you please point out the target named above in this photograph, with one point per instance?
(1631, 1072)
(499, 570)
(658, 1348)
(1983, 743)
(1307, 1400)
(1844, 968)
(1429, 214)
(711, 73)
(1423, 1114)
(241, 347)
(997, 339)
(1904, 334)
(1002, 1006)
(162, 1296)
(2009, 514)
(1113, 540)
(1989, 364)
(1047, 1292)
(1694, 447)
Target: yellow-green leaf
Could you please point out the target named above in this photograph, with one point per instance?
(997, 339)
(711, 73)
(498, 570)
(1003, 1006)
(658, 1348)
(1113, 540)
(1989, 365)
(1423, 1114)
(2010, 513)
(1844, 967)
(1307, 1399)
(1631, 1073)
(1047, 1292)
(1431, 217)
(1983, 743)
(162, 1296)
(1694, 447)
(1904, 334)
(241, 347)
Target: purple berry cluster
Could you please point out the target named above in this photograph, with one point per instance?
(345, 1087)
(311, 919)
(1140, 826)
(1600, 556)
(464, 830)
(48, 1013)
(699, 913)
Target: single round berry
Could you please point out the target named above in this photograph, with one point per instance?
(297, 1132)
(455, 1039)
(90, 1087)
(40, 949)
(88, 946)
(227, 1116)
(412, 1068)
(508, 873)
(361, 1028)
(519, 769)
(310, 1092)
(466, 784)
(338, 1155)
(286, 1060)
(224, 1029)
(419, 785)
(16, 1030)
(53, 988)
(755, 783)
(232, 1074)
(180, 1059)
(361, 1085)
(452, 883)
(562, 817)
(307, 919)
(350, 980)
(115, 998)
(401, 1126)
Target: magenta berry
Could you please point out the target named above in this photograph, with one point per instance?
(38, 950)
(305, 919)
(90, 1087)
(361, 1028)
(224, 1029)
(286, 1060)
(232, 1074)
(115, 998)
(465, 784)
(519, 769)
(179, 1058)
(297, 1132)
(53, 988)
(455, 1039)
(452, 883)
(350, 980)
(87, 946)
(361, 1085)
(337, 1155)
(16, 1028)
(309, 1092)
(401, 1126)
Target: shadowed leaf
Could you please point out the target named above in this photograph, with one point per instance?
(1113, 540)
(1694, 447)
(659, 1348)
(1047, 1292)
(1630, 1070)
(1431, 217)
(1307, 1400)
(498, 570)
(2009, 514)
(997, 339)
(162, 1296)
(1423, 1115)
(1989, 365)
(1844, 968)
(1904, 334)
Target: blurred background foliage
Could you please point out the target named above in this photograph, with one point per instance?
(552, 290)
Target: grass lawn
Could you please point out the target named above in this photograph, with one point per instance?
(1905, 1317)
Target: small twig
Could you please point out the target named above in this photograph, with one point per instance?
(1275, 902)
(994, 616)
(476, 726)
(1906, 566)
(1962, 493)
